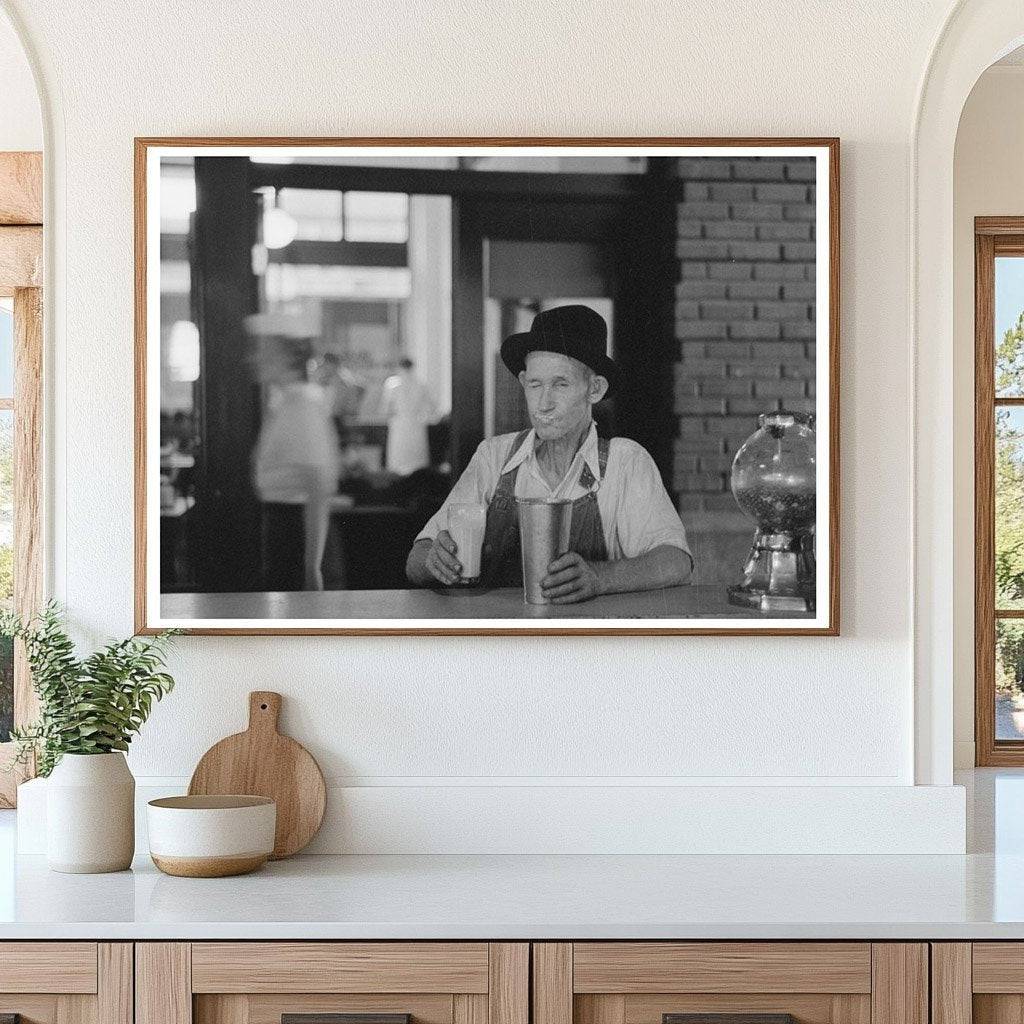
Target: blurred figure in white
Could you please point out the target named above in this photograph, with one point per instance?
(344, 389)
(297, 459)
(408, 409)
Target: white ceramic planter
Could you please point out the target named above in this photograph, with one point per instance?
(90, 814)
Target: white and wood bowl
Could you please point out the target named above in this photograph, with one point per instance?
(211, 836)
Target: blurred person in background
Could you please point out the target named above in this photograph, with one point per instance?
(409, 410)
(344, 390)
(296, 460)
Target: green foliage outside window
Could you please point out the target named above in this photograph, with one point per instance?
(7, 456)
(6, 574)
(6, 687)
(1009, 510)
(6, 571)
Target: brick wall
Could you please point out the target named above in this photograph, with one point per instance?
(744, 312)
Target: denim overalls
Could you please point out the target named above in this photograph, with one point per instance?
(501, 559)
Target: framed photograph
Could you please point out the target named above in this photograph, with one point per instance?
(487, 386)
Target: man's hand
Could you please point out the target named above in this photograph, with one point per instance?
(570, 579)
(441, 562)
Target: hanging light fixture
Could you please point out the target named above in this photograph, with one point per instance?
(279, 226)
(183, 352)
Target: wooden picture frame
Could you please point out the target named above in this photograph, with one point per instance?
(285, 163)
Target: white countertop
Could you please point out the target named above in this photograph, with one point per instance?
(976, 896)
(532, 897)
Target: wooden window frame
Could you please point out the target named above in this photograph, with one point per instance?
(21, 269)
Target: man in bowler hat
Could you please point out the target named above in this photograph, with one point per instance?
(625, 535)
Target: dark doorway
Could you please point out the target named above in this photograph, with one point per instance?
(514, 256)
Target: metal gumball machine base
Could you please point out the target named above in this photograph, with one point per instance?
(779, 575)
(740, 595)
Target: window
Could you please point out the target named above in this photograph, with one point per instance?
(20, 412)
(999, 490)
(323, 215)
(6, 510)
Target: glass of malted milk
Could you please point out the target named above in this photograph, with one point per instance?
(466, 523)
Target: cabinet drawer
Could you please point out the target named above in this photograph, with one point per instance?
(48, 967)
(261, 982)
(634, 967)
(747, 982)
(340, 967)
(66, 982)
(270, 1009)
(998, 967)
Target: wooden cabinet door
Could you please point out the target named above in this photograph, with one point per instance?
(263, 982)
(66, 982)
(747, 982)
(979, 982)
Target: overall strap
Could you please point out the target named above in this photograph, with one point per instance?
(586, 535)
(507, 480)
(587, 480)
(517, 443)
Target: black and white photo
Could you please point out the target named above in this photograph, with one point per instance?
(468, 387)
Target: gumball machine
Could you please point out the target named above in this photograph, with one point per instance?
(774, 483)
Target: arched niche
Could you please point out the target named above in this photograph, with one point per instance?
(975, 35)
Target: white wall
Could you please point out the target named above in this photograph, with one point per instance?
(447, 712)
(21, 125)
(988, 181)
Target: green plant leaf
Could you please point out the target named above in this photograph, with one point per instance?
(86, 705)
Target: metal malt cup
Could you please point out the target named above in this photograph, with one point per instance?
(544, 535)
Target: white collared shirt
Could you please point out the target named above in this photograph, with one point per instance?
(636, 512)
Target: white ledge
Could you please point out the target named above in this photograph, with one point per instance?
(535, 819)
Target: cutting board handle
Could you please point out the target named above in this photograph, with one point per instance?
(264, 710)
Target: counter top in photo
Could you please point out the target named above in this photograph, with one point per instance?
(697, 602)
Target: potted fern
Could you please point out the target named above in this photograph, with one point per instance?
(89, 710)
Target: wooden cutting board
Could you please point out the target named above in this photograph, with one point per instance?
(262, 762)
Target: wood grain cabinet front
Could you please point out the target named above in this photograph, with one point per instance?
(66, 982)
(730, 983)
(332, 983)
(977, 982)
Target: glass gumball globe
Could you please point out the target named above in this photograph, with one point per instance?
(773, 474)
(774, 482)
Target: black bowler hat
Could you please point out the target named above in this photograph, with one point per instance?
(575, 331)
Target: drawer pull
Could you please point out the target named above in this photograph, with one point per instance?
(341, 1018)
(728, 1018)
